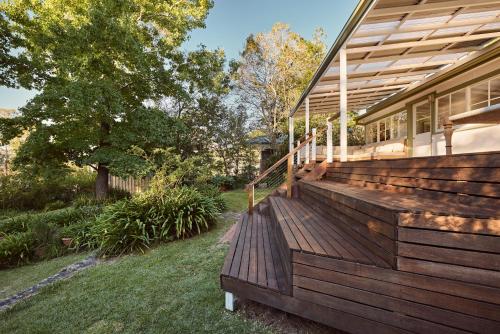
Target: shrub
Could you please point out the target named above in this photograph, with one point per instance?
(61, 217)
(223, 182)
(214, 193)
(44, 232)
(16, 248)
(26, 193)
(134, 224)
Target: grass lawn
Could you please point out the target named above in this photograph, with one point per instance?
(17, 279)
(237, 200)
(173, 288)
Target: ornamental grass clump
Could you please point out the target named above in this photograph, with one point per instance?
(156, 216)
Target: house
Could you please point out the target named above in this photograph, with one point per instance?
(401, 234)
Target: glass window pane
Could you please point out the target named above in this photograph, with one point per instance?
(402, 124)
(423, 118)
(382, 130)
(394, 126)
(458, 104)
(443, 109)
(371, 133)
(494, 91)
(479, 95)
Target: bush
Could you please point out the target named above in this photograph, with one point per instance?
(16, 248)
(61, 217)
(135, 224)
(223, 182)
(38, 235)
(214, 193)
(25, 193)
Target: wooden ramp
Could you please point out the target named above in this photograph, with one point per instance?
(375, 250)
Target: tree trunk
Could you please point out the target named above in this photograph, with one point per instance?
(101, 184)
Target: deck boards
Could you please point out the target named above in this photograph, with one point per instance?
(313, 229)
(253, 256)
(406, 203)
(367, 256)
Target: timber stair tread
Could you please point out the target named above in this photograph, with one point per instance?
(314, 232)
(402, 202)
(253, 256)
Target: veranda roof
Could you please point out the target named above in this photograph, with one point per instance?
(395, 45)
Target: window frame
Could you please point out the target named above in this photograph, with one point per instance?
(468, 100)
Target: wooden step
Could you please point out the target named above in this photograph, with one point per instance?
(303, 228)
(253, 256)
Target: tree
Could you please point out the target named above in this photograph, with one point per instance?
(200, 109)
(96, 64)
(231, 140)
(273, 70)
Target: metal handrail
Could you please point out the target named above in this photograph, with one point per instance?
(289, 156)
(280, 161)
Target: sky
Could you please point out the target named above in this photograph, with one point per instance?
(230, 22)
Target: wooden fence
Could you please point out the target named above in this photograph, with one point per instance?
(129, 184)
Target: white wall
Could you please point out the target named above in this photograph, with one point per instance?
(469, 139)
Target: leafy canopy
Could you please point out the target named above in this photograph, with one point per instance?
(273, 70)
(97, 65)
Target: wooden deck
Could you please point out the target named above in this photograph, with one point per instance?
(374, 250)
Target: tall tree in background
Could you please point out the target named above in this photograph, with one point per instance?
(95, 64)
(273, 70)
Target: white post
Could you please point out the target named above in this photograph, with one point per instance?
(229, 301)
(307, 131)
(313, 146)
(290, 134)
(298, 153)
(343, 104)
(329, 141)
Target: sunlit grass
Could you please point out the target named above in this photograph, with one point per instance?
(174, 288)
(17, 279)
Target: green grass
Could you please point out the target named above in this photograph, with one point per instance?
(173, 288)
(237, 200)
(17, 279)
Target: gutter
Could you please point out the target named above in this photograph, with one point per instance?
(356, 17)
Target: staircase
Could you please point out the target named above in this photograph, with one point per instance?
(388, 246)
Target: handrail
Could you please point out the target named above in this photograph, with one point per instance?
(289, 156)
(280, 161)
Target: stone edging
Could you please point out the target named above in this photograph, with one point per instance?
(66, 272)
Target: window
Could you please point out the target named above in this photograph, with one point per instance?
(401, 120)
(391, 127)
(381, 130)
(457, 103)
(371, 133)
(422, 118)
(494, 91)
(481, 95)
(451, 104)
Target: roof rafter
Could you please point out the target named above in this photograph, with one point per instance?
(437, 41)
(427, 7)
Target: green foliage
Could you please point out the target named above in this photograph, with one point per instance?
(38, 236)
(61, 217)
(95, 64)
(223, 182)
(272, 72)
(20, 191)
(214, 193)
(137, 223)
(16, 248)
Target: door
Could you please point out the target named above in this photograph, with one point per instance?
(422, 129)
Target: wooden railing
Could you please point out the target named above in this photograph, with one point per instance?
(289, 158)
